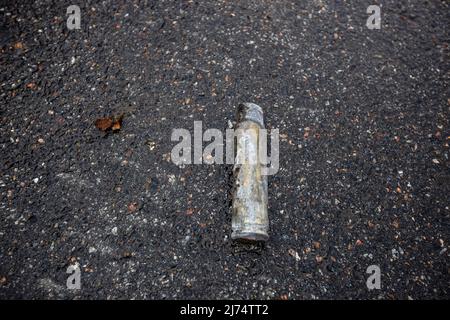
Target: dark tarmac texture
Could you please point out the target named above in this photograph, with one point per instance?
(364, 144)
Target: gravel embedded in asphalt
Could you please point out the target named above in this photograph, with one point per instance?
(364, 143)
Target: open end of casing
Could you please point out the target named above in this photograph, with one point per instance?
(250, 111)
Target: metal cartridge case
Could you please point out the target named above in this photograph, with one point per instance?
(250, 221)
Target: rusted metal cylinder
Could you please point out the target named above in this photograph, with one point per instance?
(250, 221)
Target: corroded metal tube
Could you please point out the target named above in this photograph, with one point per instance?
(250, 221)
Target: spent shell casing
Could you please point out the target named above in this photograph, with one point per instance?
(250, 221)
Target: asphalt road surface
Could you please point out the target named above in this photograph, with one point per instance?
(364, 172)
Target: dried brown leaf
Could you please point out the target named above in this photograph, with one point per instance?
(109, 123)
(104, 124)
